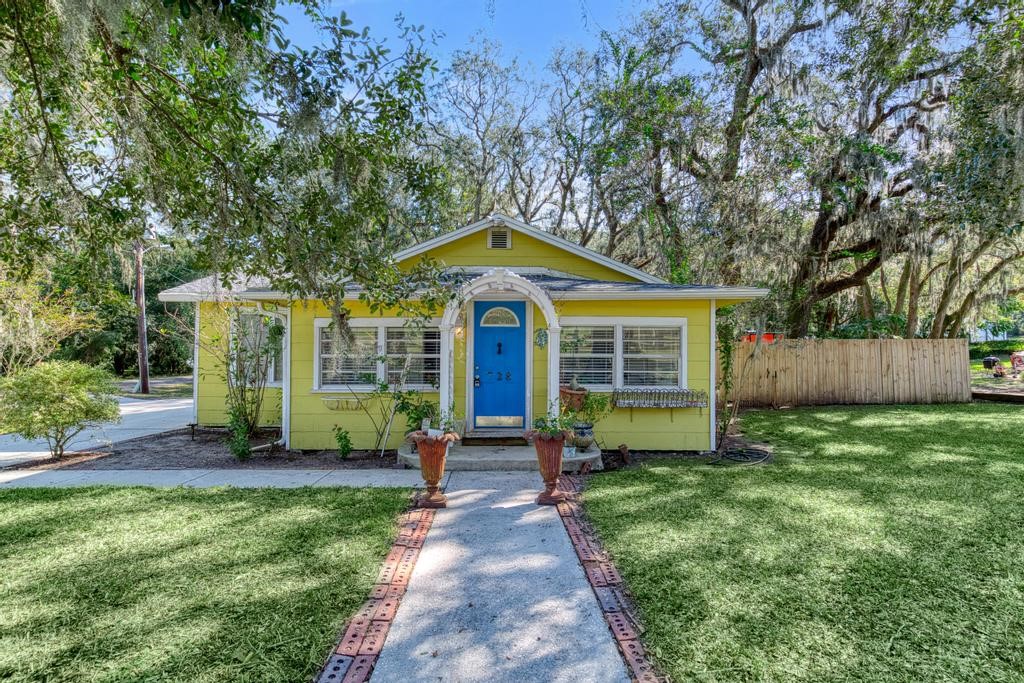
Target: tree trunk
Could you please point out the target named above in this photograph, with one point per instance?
(140, 308)
(914, 286)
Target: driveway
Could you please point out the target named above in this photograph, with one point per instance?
(138, 418)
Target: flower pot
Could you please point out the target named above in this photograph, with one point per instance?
(584, 436)
(549, 458)
(433, 451)
(572, 398)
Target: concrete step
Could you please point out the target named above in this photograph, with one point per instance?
(503, 458)
(493, 437)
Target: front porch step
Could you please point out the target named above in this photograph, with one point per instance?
(502, 458)
(494, 437)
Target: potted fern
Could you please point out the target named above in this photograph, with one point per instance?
(548, 436)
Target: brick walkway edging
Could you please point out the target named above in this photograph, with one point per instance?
(606, 583)
(352, 661)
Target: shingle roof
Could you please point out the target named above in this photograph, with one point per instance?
(558, 286)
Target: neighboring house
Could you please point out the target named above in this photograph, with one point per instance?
(533, 311)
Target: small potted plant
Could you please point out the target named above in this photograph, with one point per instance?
(432, 445)
(572, 396)
(549, 435)
(591, 410)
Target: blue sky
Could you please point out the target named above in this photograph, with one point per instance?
(526, 29)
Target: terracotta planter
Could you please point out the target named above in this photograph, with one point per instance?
(433, 451)
(572, 398)
(549, 458)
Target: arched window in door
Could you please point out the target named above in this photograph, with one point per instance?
(499, 317)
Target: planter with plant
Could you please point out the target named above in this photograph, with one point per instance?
(592, 409)
(572, 396)
(432, 446)
(548, 436)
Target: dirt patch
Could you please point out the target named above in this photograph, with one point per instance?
(177, 450)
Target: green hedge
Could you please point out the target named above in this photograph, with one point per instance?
(997, 347)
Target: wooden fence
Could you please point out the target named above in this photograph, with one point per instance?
(815, 372)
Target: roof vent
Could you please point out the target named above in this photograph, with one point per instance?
(499, 238)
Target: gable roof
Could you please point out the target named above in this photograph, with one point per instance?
(536, 233)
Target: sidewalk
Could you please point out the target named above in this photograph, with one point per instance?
(206, 478)
(139, 417)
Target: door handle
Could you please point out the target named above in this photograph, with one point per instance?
(476, 380)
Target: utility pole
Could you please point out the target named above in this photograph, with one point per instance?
(140, 307)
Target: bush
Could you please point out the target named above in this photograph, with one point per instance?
(238, 434)
(996, 347)
(56, 400)
(344, 441)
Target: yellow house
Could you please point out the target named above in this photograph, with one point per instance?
(533, 313)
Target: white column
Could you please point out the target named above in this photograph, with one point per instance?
(447, 369)
(712, 393)
(195, 367)
(554, 349)
(286, 381)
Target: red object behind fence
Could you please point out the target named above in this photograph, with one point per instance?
(766, 338)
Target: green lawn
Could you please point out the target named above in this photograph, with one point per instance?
(884, 544)
(160, 387)
(135, 584)
(983, 379)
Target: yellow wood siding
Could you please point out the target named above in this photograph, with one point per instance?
(657, 428)
(313, 419)
(472, 250)
(212, 404)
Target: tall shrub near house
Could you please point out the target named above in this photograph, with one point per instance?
(245, 344)
(56, 400)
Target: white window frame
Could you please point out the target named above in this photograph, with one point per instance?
(272, 365)
(381, 324)
(619, 322)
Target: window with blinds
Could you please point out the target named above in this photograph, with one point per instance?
(651, 356)
(588, 355)
(611, 353)
(348, 363)
(422, 348)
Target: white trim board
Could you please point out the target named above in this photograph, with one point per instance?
(526, 229)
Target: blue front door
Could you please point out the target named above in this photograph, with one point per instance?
(499, 364)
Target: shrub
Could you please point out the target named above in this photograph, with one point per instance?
(56, 400)
(996, 347)
(238, 433)
(344, 441)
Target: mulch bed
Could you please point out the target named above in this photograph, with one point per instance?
(177, 450)
(738, 450)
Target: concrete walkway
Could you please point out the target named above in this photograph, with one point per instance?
(497, 594)
(139, 417)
